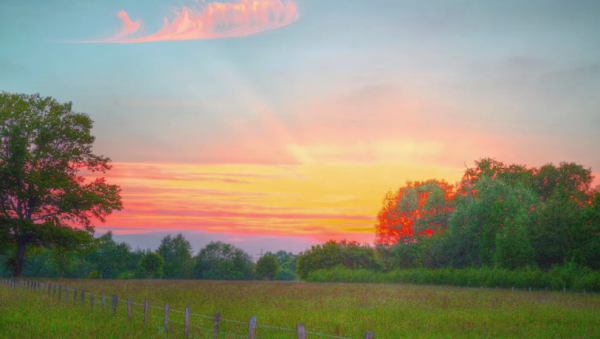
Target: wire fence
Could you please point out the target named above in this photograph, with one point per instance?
(168, 319)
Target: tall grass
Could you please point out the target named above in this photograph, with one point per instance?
(391, 311)
(565, 277)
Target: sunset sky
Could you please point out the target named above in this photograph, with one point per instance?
(278, 124)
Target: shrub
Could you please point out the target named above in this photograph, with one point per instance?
(351, 255)
(286, 275)
(570, 277)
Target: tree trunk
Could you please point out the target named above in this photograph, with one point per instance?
(19, 259)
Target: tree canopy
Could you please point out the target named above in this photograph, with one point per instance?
(415, 209)
(45, 200)
(177, 253)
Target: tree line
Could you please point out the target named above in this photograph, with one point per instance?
(510, 217)
(507, 217)
(105, 258)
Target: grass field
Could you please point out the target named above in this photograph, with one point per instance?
(346, 310)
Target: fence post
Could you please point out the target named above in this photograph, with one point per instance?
(49, 288)
(53, 290)
(92, 301)
(369, 335)
(128, 309)
(67, 293)
(301, 332)
(216, 330)
(252, 327)
(59, 291)
(166, 322)
(114, 303)
(74, 296)
(103, 302)
(186, 322)
(82, 297)
(146, 306)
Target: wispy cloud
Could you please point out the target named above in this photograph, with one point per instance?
(210, 20)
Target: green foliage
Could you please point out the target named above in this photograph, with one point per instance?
(286, 274)
(45, 145)
(424, 251)
(286, 260)
(513, 247)
(267, 267)
(110, 258)
(331, 254)
(570, 278)
(223, 262)
(476, 225)
(150, 267)
(177, 253)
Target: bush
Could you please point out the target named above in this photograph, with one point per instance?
(286, 275)
(351, 255)
(93, 275)
(569, 277)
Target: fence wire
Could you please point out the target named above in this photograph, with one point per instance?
(228, 328)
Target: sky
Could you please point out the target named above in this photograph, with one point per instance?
(279, 124)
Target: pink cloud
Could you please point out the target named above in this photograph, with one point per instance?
(211, 20)
(248, 215)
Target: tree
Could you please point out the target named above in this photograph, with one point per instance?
(109, 257)
(570, 178)
(286, 260)
(177, 253)
(513, 246)
(346, 254)
(476, 223)
(267, 267)
(416, 209)
(494, 169)
(588, 237)
(43, 198)
(151, 266)
(220, 261)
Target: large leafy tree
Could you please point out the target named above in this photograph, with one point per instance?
(267, 267)
(416, 209)
(44, 199)
(177, 252)
(222, 261)
(497, 213)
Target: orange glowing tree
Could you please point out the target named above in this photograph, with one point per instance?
(417, 209)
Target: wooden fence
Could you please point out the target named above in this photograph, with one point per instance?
(57, 290)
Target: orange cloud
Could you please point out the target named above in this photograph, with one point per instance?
(211, 21)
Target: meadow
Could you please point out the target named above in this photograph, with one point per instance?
(337, 309)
